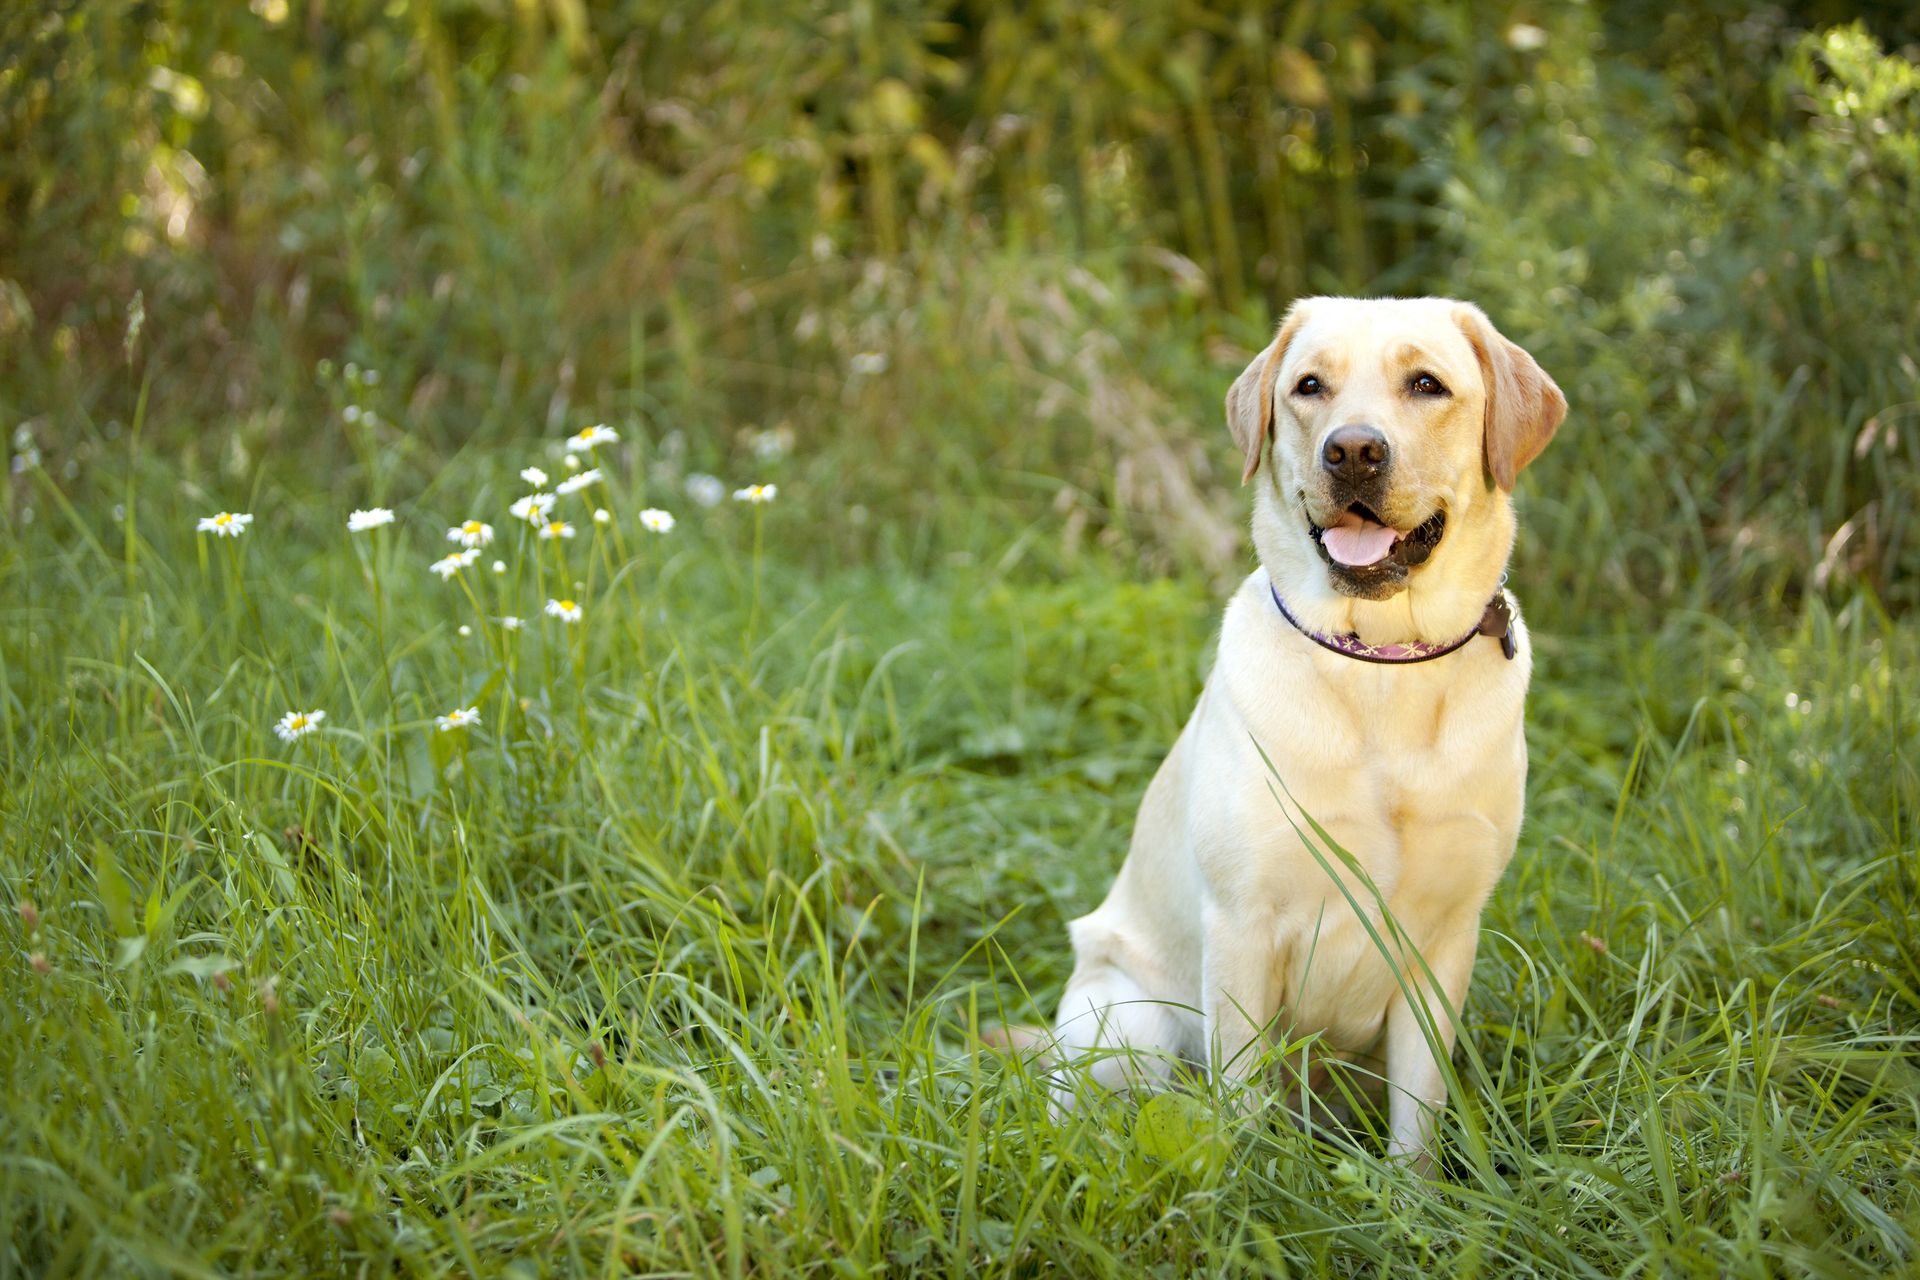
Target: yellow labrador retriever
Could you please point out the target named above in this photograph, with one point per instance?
(1370, 681)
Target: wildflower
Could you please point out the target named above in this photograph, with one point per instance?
(465, 631)
(705, 490)
(458, 718)
(591, 437)
(29, 916)
(373, 518)
(773, 444)
(533, 507)
(351, 413)
(499, 566)
(654, 520)
(869, 362)
(602, 516)
(571, 462)
(1525, 37)
(40, 963)
(565, 610)
(471, 533)
(227, 524)
(453, 562)
(298, 724)
(757, 493)
(574, 484)
(534, 476)
(511, 623)
(556, 529)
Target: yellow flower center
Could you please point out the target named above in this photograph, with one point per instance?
(567, 606)
(471, 526)
(298, 722)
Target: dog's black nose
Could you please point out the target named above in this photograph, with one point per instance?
(1355, 453)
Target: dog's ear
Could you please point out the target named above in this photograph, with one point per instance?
(1250, 398)
(1524, 405)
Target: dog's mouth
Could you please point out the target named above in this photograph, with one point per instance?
(1359, 541)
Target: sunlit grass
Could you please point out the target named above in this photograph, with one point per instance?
(670, 958)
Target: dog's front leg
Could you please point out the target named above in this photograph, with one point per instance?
(1416, 1079)
(1240, 994)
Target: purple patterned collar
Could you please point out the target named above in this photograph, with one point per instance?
(1497, 622)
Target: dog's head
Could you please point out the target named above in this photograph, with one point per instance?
(1390, 429)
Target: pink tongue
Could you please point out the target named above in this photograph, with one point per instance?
(1355, 540)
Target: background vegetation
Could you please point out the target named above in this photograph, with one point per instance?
(672, 964)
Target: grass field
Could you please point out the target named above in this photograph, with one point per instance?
(672, 961)
(659, 941)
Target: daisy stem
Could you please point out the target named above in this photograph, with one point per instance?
(753, 612)
(372, 562)
(580, 683)
(619, 499)
(479, 620)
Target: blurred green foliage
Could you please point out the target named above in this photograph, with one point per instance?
(1063, 225)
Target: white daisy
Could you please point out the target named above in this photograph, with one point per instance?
(565, 610)
(654, 520)
(591, 437)
(534, 476)
(350, 414)
(465, 631)
(499, 566)
(869, 363)
(757, 493)
(602, 516)
(373, 518)
(571, 462)
(471, 533)
(227, 524)
(298, 724)
(574, 484)
(556, 529)
(453, 562)
(511, 623)
(533, 507)
(458, 718)
(705, 490)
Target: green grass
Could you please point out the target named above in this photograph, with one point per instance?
(674, 966)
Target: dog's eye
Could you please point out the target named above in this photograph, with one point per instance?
(1425, 384)
(1307, 386)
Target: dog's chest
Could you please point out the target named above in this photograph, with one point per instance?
(1399, 793)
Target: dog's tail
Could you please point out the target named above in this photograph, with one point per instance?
(1034, 1044)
